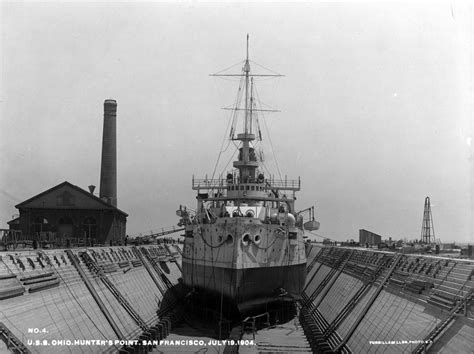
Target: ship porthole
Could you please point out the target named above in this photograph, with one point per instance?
(250, 214)
(257, 239)
(246, 239)
(230, 239)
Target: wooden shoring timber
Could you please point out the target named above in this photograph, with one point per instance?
(312, 277)
(371, 301)
(333, 279)
(147, 265)
(164, 279)
(116, 292)
(439, 329)
(314, 260)
(323, 284)
(346, 310)
(95, 295)
(12, 342)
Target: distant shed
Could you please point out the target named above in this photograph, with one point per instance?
(369, 238)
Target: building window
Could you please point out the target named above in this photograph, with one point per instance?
(40, 224)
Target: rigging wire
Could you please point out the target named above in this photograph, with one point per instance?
(234, 115)
(237, 102)
(232, 156)
(241, 62)
(263, 67)
(269, 138)
(221, 150)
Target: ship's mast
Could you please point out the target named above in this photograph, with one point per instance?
(247, 161)
(251, 104)
(247, 71)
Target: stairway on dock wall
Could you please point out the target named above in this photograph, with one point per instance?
(402, 310)
(68, 311)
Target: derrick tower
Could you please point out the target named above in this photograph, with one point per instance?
(427, 228)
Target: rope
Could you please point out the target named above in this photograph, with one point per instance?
(213, 277)
(208, 244)
(266, 248)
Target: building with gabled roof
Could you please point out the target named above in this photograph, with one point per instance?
(67, 215)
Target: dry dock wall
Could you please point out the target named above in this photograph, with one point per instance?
(44, 298)
(365, 301)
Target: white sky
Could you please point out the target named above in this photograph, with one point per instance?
(376, 104)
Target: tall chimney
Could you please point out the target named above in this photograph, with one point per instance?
(108, 167)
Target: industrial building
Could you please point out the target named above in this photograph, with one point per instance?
(67, 215)
(367, 238)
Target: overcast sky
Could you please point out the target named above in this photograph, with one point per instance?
(375, 105)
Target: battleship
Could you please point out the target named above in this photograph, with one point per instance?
(245, 241)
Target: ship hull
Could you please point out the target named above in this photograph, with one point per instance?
(247, 288)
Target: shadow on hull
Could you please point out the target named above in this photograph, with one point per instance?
(214, 315)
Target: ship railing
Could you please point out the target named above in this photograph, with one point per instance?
(253, 321)
(269, 183)
(284, 184)
(206, 183)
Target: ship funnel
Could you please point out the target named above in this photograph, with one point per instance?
(91, 189)
(108, 167)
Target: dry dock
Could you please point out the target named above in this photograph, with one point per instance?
(114, 299)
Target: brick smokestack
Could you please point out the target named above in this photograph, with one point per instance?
(108, 167)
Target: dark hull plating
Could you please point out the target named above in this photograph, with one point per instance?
(247, 288)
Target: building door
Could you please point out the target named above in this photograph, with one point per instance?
(65, 228)
(89, 226)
